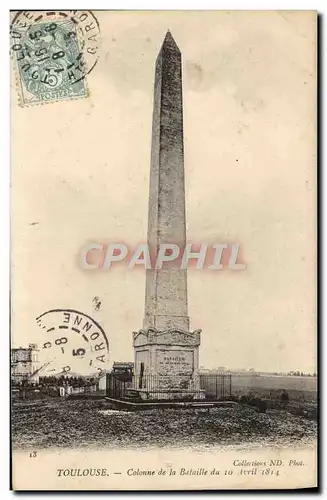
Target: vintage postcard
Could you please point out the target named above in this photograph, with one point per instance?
(163, 250)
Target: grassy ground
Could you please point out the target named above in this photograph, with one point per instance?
(76, 423)
(298, 388)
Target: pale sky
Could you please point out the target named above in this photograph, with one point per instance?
(80, 169)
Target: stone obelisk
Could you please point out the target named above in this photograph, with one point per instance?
(165, 348)
(166, 288)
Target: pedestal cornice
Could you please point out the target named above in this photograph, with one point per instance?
(171, 336)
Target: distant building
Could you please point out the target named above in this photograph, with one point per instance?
(25, 364)
(121, 366)
(102, 381)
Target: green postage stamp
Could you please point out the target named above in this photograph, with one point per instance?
(53, 52)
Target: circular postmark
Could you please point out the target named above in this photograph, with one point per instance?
(73, 343)
(54, 52)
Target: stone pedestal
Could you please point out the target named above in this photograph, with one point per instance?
(167, 363)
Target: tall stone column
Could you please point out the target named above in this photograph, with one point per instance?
(166, 352)
(166, 289)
